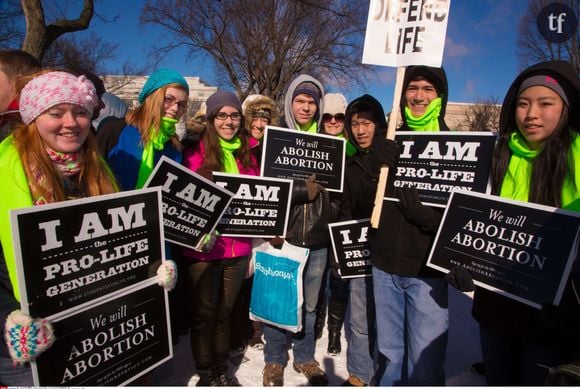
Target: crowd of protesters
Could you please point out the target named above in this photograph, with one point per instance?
(397, 319)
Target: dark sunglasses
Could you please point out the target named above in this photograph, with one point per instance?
(339, 117)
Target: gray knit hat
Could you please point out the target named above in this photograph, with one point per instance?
(221, 99)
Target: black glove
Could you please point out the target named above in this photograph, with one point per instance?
(313, 188)
(414, 211)
(460, 278)
(384, 152)
(277, 242)
(409, 203)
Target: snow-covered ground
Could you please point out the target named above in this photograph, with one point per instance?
(462, 351)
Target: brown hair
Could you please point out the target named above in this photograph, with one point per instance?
(213, 152)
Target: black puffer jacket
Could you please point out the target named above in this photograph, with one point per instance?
(400, 246)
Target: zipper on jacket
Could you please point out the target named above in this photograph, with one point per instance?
(233, 244)
(304, 224)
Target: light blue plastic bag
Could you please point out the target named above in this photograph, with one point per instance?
(277, 287)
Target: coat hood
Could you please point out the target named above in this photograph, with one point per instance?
(439, 79)
(365, 103)
(288, 116)
(566, 77)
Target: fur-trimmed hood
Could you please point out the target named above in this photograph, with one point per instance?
(256, 103)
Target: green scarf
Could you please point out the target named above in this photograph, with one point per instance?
(228, 149)
(516, 182)
(311, 128)
(157, 142)
(430, 119)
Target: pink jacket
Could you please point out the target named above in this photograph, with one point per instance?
(225, 247)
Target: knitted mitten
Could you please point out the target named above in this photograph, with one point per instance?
(167, 274)
(26, 337)
(207, 242)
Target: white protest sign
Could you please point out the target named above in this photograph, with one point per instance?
(406, 32)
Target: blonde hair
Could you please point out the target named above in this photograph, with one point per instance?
(147, 116)
(95, 177)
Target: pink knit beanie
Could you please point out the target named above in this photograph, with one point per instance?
(50, 89)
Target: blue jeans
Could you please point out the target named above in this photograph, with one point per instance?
(276, 339)
(362, 334)
(14, 375)
(412, 324)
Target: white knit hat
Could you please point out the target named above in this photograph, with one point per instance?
(334, 103)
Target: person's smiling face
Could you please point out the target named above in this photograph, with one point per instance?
(228, 126)
(538, 112)
(64, 127)
(418, 95)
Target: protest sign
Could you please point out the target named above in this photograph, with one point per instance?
(406, 32)
(110, 343)
(260, 207)
(192, 205)
(297, 155)
(438, 163)
(521, 250)
(351, 247)
(72, 252)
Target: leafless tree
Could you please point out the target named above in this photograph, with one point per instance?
(259, 46)
(39, 35)
(482, 115)
(533, 47)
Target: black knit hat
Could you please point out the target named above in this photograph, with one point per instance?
(308, 88)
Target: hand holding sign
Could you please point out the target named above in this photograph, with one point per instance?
(313, 188)
(27, 337)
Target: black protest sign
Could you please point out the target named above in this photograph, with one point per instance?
(351, 247)
(192, 205)
(260, 207)
(438, 163)
(72, 252)
(110, 343)
(521, 250)
(297, 155)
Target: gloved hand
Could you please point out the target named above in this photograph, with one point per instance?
(384, 152)
(414, 211)
(206, 244)
(460, 278)
(277, 242)
(27, 337)
(313, 188)
(167, 274)
(206, 172)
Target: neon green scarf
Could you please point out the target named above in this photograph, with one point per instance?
(430, 119)
(228, 149)
(516, 182)
(157, 142)
(311, 128)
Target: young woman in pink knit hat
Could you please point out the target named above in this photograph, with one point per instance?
(50, 157)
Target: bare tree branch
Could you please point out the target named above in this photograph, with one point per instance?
(259, 46)
(532, 47)
(39, 36)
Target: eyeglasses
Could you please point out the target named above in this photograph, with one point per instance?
(170, 101)
(339, 117)
(235, 116)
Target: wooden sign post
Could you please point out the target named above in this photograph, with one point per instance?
(402, 33)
